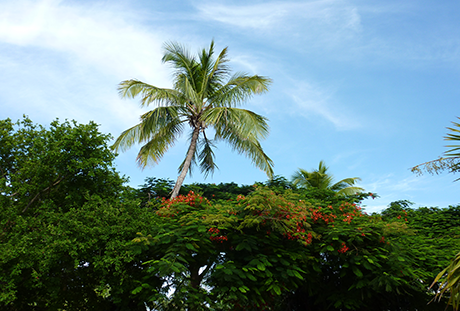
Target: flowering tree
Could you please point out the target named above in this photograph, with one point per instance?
(265, 251)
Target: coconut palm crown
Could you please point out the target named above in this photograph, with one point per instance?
(321, 179)
(204, 96)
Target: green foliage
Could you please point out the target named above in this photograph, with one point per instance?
(72, 237)
(432, 240)
(157, 188)
(66, 220)
(62, 164)
(277, 251)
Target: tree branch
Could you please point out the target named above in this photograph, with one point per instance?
(38, 194)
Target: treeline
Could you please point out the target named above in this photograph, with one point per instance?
(73, 236)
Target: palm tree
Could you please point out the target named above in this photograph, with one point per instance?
(321, 179)
(204, 96)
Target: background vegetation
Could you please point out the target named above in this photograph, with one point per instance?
(73, 236)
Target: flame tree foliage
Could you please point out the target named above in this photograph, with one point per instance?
(276, 249)
(74, 238)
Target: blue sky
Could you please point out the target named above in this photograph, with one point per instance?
(367, 86)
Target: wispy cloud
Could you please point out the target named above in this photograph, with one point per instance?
(313, 101)
(107, 39)
(80, 54)
(269, 15)
(323, 20)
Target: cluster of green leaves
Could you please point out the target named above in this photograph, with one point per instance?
(65, 221)
(433, 239)
(59, 164)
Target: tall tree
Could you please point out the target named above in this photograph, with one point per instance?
(204, 95)
(451, 160)
(66, 218)
(321, 179)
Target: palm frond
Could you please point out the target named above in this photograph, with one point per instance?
(206, 157)
(216, 71)
(242, 140)
(451, 164)
(159, 128)
(300, 178)
(188, 91)
(149, 93)
(183, 62)
(346, 183)
(246, 123)
(159, 143)
(454, 136)
(127, 138)
(349, 191)
(450, 283)
(239, 89)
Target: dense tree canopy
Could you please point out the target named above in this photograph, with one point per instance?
(65, 220)
(73, 237)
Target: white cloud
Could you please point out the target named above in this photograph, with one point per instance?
(268, 15)
(312, 101)
(321, 22)
(65, 60)
(97, 35)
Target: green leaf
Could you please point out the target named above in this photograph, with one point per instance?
(298, 275)
(276, 289)
(357, 272)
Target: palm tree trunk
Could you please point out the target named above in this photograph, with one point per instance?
(188, 161)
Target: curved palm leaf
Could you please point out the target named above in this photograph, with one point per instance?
(450, 283)
(159, 128)
(242, 129)
(239, 89)
(149, 93)
(454, 136)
